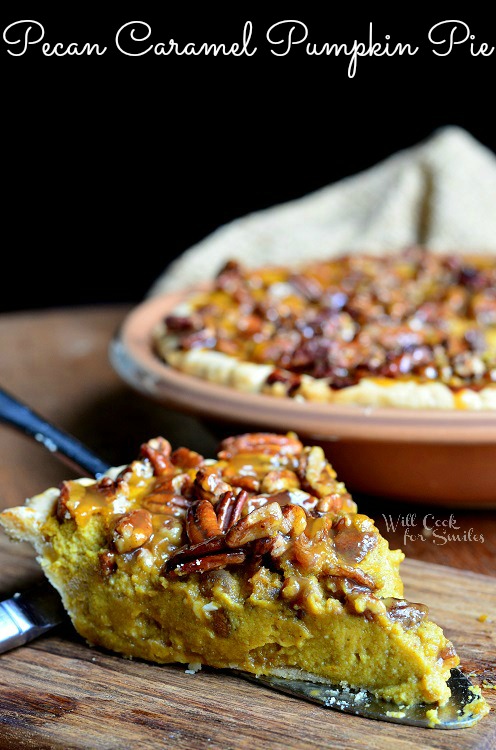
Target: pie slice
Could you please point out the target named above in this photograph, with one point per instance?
(257, 560)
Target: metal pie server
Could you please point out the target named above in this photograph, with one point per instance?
(30, 614)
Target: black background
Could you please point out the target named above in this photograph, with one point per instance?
(114, 165)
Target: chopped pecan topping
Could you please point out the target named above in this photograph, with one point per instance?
(261, 522)
(183, 323)
(183, 515)
(351, 317)
(132, 531)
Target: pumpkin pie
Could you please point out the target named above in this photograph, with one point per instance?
(256, 560)
(411, 329)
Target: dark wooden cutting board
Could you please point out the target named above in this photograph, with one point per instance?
(59, 693)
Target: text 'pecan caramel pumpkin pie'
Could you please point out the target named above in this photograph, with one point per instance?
(257, 560)
(412, 329)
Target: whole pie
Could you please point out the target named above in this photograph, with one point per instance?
(411, 329)
(256, 560)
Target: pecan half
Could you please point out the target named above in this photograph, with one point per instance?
(266, 443)
(229, 509)
(188, 552)
(186, 459)
(201, 521)
(261, 522)
(157, 451)
(317, 475)
(208, 562)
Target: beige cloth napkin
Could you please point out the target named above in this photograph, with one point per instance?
(440, 193)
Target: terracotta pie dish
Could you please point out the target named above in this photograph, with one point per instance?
(437, 456)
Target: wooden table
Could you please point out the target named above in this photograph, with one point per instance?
(56, 361)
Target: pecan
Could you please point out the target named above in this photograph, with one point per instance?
(165, 503)
(237, 508)
(246, 482)
(352, 574)
(208, 484)
(249, 325)
(63, 512)
(447, 652)
(221, 623)
(261, 522)
(224, 508)
(290, 380)
(208, 562)
(266, 443)
(107, 487)
(337, 502)
(107, 563)
(186, 459)
(317, 475)
(231, 280)
(274, 546)
(409, 614)
(299, 590)
(279, 480)
(309, 288)
(132, 531)
(352, 544)
(183, 323)
(188, 552)
(229, 509)
(295, 520)
(157, 451)
(201, 522)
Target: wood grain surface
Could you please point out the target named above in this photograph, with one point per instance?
(59, 693)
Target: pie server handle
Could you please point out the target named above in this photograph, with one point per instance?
(28, 615)
(32, 613)
(66, 447)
